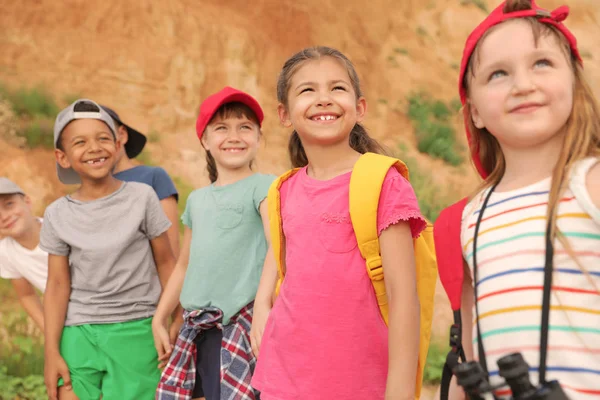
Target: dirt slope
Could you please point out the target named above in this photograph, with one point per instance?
(155, 62)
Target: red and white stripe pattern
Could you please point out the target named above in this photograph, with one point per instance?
(237, 360)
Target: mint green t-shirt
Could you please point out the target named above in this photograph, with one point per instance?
(228, 245)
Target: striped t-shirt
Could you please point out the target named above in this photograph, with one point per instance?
(510, 265)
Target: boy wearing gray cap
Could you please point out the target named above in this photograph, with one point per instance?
(21, 259)
(108, 254)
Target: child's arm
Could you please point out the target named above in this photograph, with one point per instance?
(397, 254)
(165, 264)
(169, 206)
(163, 257)
(165, 188)
(156, 226)
(56, 300)
(264, 295)
(29, 300)
(169, 300)
(466, 317)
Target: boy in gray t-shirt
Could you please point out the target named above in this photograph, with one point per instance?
(108, 256)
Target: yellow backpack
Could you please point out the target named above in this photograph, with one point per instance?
(365, 187)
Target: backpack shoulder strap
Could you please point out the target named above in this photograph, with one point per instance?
(276, 228)
(366, 182)
(446, 233)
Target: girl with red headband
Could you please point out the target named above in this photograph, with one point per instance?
(530, 237)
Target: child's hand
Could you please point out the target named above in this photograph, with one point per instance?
(259, 321)
(161, 342)
(55, 367)
(174, 330)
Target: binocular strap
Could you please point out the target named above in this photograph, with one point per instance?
(545, 298)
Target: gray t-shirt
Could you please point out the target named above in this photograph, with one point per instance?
(107, 240)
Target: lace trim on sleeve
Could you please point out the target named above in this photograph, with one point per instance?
(416, 220)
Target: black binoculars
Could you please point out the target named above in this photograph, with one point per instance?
(515, 372)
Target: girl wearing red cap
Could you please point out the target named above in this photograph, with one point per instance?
(530, 237)
(325, 337)
(217, 274)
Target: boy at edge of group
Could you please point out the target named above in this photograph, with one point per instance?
(108, 254)
(21, 260)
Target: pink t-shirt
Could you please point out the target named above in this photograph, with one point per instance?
(325, 338)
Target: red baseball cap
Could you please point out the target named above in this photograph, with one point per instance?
(211, 104)
(554, 18)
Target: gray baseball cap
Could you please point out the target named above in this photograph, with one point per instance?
(9, 187)
(80, 109)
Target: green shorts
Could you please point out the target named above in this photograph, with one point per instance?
(113, 361)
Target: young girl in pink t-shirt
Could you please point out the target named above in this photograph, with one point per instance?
(324, 337)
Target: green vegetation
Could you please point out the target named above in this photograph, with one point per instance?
(481, 4)
(435, 135)
(153, 136)
(38, 133)
(21, 343)
(421, 31)
(31, 102)
(36, 111)
(146, 158)
(392, 60)
(586, 54)
(432, 199)
(392, 57)
(28, 388)
(21, 351)
(184, 190)
(455, 105)
(434, 366)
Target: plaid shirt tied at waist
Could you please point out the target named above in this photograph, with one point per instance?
(237, 359)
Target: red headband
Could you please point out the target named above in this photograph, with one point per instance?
(554, 18)
(212, 103)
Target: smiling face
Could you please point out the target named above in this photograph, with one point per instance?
(322, 105)
(521, 91)
(89, 147)
(16, 217)
(232, 139)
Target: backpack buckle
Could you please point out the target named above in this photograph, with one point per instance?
(455, 336)
(375, 268)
